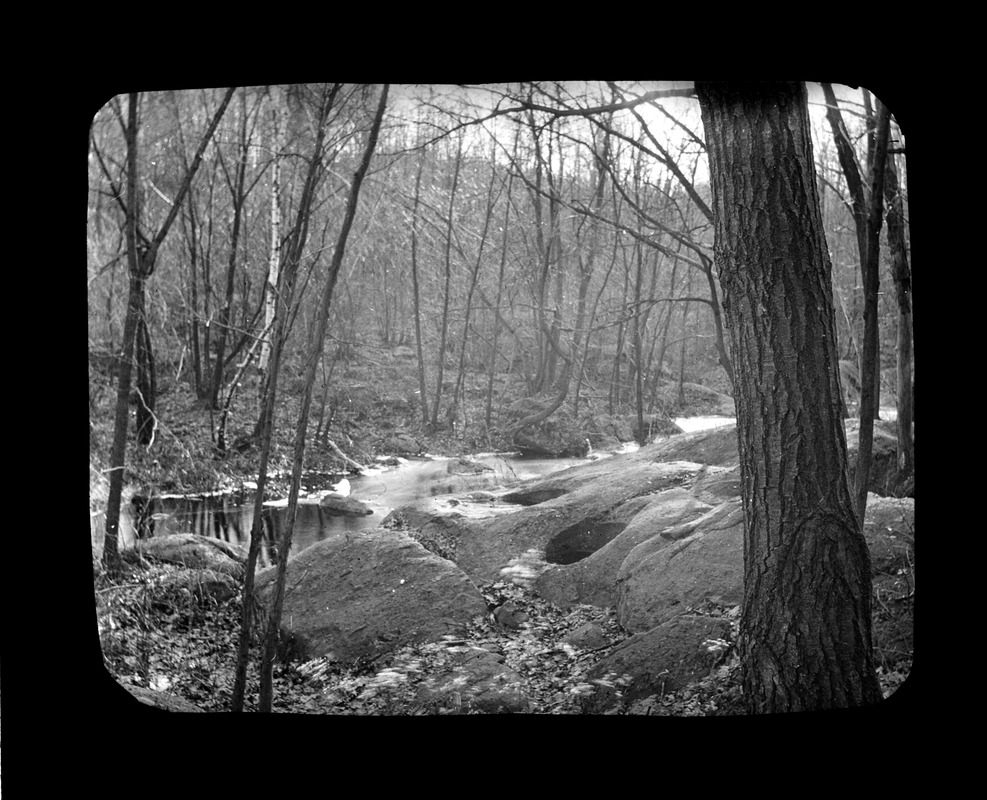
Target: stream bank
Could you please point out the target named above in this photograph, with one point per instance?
(541, 649)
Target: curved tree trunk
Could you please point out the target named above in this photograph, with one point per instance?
(805, 639)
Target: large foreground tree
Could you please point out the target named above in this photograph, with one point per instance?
(805, 639)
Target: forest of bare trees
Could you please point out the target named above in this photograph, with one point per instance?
(556, 232)
(546, 250)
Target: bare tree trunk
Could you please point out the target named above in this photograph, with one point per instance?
(264, 428)
(190, 229)
(274, 260)
(614, 397)
(237, 191)
(638, 348)
(141, 255)
(111, 554)
(494, 346)
(901, 273)
(870, 373)
(317, 344)
(446, 294)
(683, 339)
(805, 638)
(416, 291)
(587, 264)
(664, 335)
(474, 277)
(866, 209)
(221, 428)
(726, 361)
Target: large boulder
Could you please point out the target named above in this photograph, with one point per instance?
(474, 679)
(662, 659)
(603, 430)
(702, 559)
(712, 447)
(683, 566)
(486, 548)
(593, 580)
(338, 506)
(365, 594)
(195, 552)
(403, 445)
(716, 485)
(464, 465)
(550, 442)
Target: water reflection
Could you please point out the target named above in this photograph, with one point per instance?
(229, 516)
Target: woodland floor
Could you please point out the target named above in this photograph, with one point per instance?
(168, 640)
(171, 642)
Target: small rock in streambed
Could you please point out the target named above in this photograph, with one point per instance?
(344, 506)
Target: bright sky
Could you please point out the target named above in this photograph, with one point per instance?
(685, 110)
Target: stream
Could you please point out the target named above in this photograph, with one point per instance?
(383, 489)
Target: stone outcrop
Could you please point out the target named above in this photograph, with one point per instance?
(592, 580)
(466, 466)
(655, 534)
(683, 566)
(195, 552)
(361, 595)
(340, 506)
(403, 445)
(591, 512)
(662, 659)
(475, 679)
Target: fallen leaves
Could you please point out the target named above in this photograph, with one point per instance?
(158, 634)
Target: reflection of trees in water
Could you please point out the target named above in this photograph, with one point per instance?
(216, 516)
(226, 517)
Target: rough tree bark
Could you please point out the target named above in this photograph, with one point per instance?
(805, 640)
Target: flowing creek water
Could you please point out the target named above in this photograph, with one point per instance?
(383, 489)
